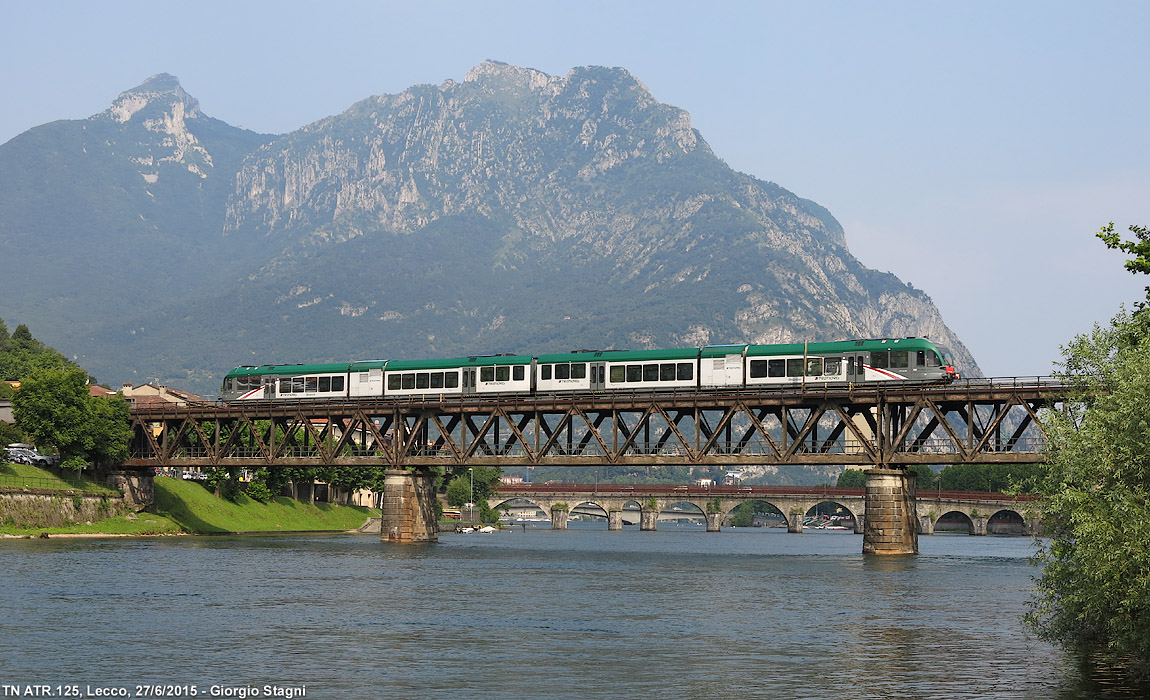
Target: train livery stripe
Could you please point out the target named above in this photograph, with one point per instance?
(883, 372)
(250, 394)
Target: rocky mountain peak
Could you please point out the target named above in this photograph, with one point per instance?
(508, 74)
(166, 112)
(162, 91)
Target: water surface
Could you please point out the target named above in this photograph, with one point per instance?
(583, 613)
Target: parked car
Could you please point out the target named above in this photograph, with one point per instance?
(26, 454)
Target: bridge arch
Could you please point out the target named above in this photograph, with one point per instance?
(976, 521)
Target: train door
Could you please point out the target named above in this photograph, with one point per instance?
(855, 370)
(468, 381)
(598, 375)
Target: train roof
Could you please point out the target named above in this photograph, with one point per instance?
(620, 355)
(451, 363)
(841, 346)
(260, 370)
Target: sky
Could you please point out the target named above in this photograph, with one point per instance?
(972, 149)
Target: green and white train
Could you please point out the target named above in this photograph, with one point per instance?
(713, 367)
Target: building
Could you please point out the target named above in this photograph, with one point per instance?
(157, 394)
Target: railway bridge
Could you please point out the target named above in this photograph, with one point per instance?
(882, 428)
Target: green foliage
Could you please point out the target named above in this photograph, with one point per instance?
(54, 409)
(852, 478)
(9, 433)
(743, 515)
(22, 355)
(1093, 596)
(458, 492)
(1139, 248)
(478, 485)
(258, 491)
(1002, 478)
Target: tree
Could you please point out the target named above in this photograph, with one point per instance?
(855, 478)
(1093, 596)
(479, 484)
(53, 407)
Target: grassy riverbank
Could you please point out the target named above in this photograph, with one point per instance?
(186, 507)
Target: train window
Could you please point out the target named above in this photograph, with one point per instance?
(878, 360)
(408, 380)
(393, 382)
(311, 384)
(776, 368)
(562, 371)
(337, 383)
(667, 372)
(503, 373)
(634, 373)
(920, 359)
(544, 371)
(899, 359)
(451, 380)
(618, 374)
(758, 369)
(486, 374)
(814, 366)
(932, 360)
(437, 380)
(422, 380)
(285, 386)
(579, 370)
(650, 373)
(517, 373)
(795, 367)
(686, 371)
(832, 366)
(325, 384)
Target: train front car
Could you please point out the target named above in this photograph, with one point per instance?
(906, 359)
(847, 362)
(244, 384)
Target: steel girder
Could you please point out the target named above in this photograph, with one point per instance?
(970, 422)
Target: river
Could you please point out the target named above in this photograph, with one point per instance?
(535, 613)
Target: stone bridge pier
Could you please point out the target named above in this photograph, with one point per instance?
(891, 523)
(409, 515)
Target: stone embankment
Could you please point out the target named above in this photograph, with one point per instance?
(31, 507)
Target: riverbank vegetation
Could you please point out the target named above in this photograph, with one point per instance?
(1093, 595)
(186, 507)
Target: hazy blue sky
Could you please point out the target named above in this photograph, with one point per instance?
(970, 148)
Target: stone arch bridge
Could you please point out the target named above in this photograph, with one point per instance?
(715, 503)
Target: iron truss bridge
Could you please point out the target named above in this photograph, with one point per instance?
(978, 421)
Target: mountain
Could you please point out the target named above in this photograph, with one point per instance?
(512, 212)
(98, 216)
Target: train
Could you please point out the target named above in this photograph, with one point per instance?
(711, 367)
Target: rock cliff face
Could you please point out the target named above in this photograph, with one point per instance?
(577, 187)
(512, 212)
